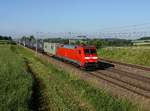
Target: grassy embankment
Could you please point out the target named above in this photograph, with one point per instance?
(134, 55)
(15, 81)
(59, 91)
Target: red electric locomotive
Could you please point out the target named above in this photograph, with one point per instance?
(83, 56)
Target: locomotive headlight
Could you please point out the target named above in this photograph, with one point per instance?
(91, 58)
(95, 57)
(87, 57)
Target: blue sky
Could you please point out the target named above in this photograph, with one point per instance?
(31, 16)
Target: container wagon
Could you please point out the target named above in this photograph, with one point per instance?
(51, 48)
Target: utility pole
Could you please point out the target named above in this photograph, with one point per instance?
(24, 42)
(19, 41)
(69, 37)
(37, 42)
(36, 45)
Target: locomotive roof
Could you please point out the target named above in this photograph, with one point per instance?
(74, 46)
(69, 46)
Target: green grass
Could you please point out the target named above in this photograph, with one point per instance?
(134, 55)
(6, 42)
(60, 91)
(15, 81)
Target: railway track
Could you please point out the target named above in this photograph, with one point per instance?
(130, 75)
(132, 86)
(123, 85)
(127, 64)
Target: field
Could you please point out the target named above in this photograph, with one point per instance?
(15, 81)
(135, 55)
(53, 89)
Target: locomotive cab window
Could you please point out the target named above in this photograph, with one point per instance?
(90, 51)
(93, 51)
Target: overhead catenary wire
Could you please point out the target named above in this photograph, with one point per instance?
(124, 27)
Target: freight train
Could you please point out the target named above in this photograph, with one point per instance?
(80, 55)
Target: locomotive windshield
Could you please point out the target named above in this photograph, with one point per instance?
(90, 51)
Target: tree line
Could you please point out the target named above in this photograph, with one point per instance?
(29, 38)
(144, 38)
(106, 42)
(5, 37)
(96, 42)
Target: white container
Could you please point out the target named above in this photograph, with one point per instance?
(50, 48)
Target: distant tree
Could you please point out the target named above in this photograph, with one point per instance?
(1, 37)
(5, 37)
(77, 42)
(23, 38)
(31, 38)
(10, 38)
(144, 38)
